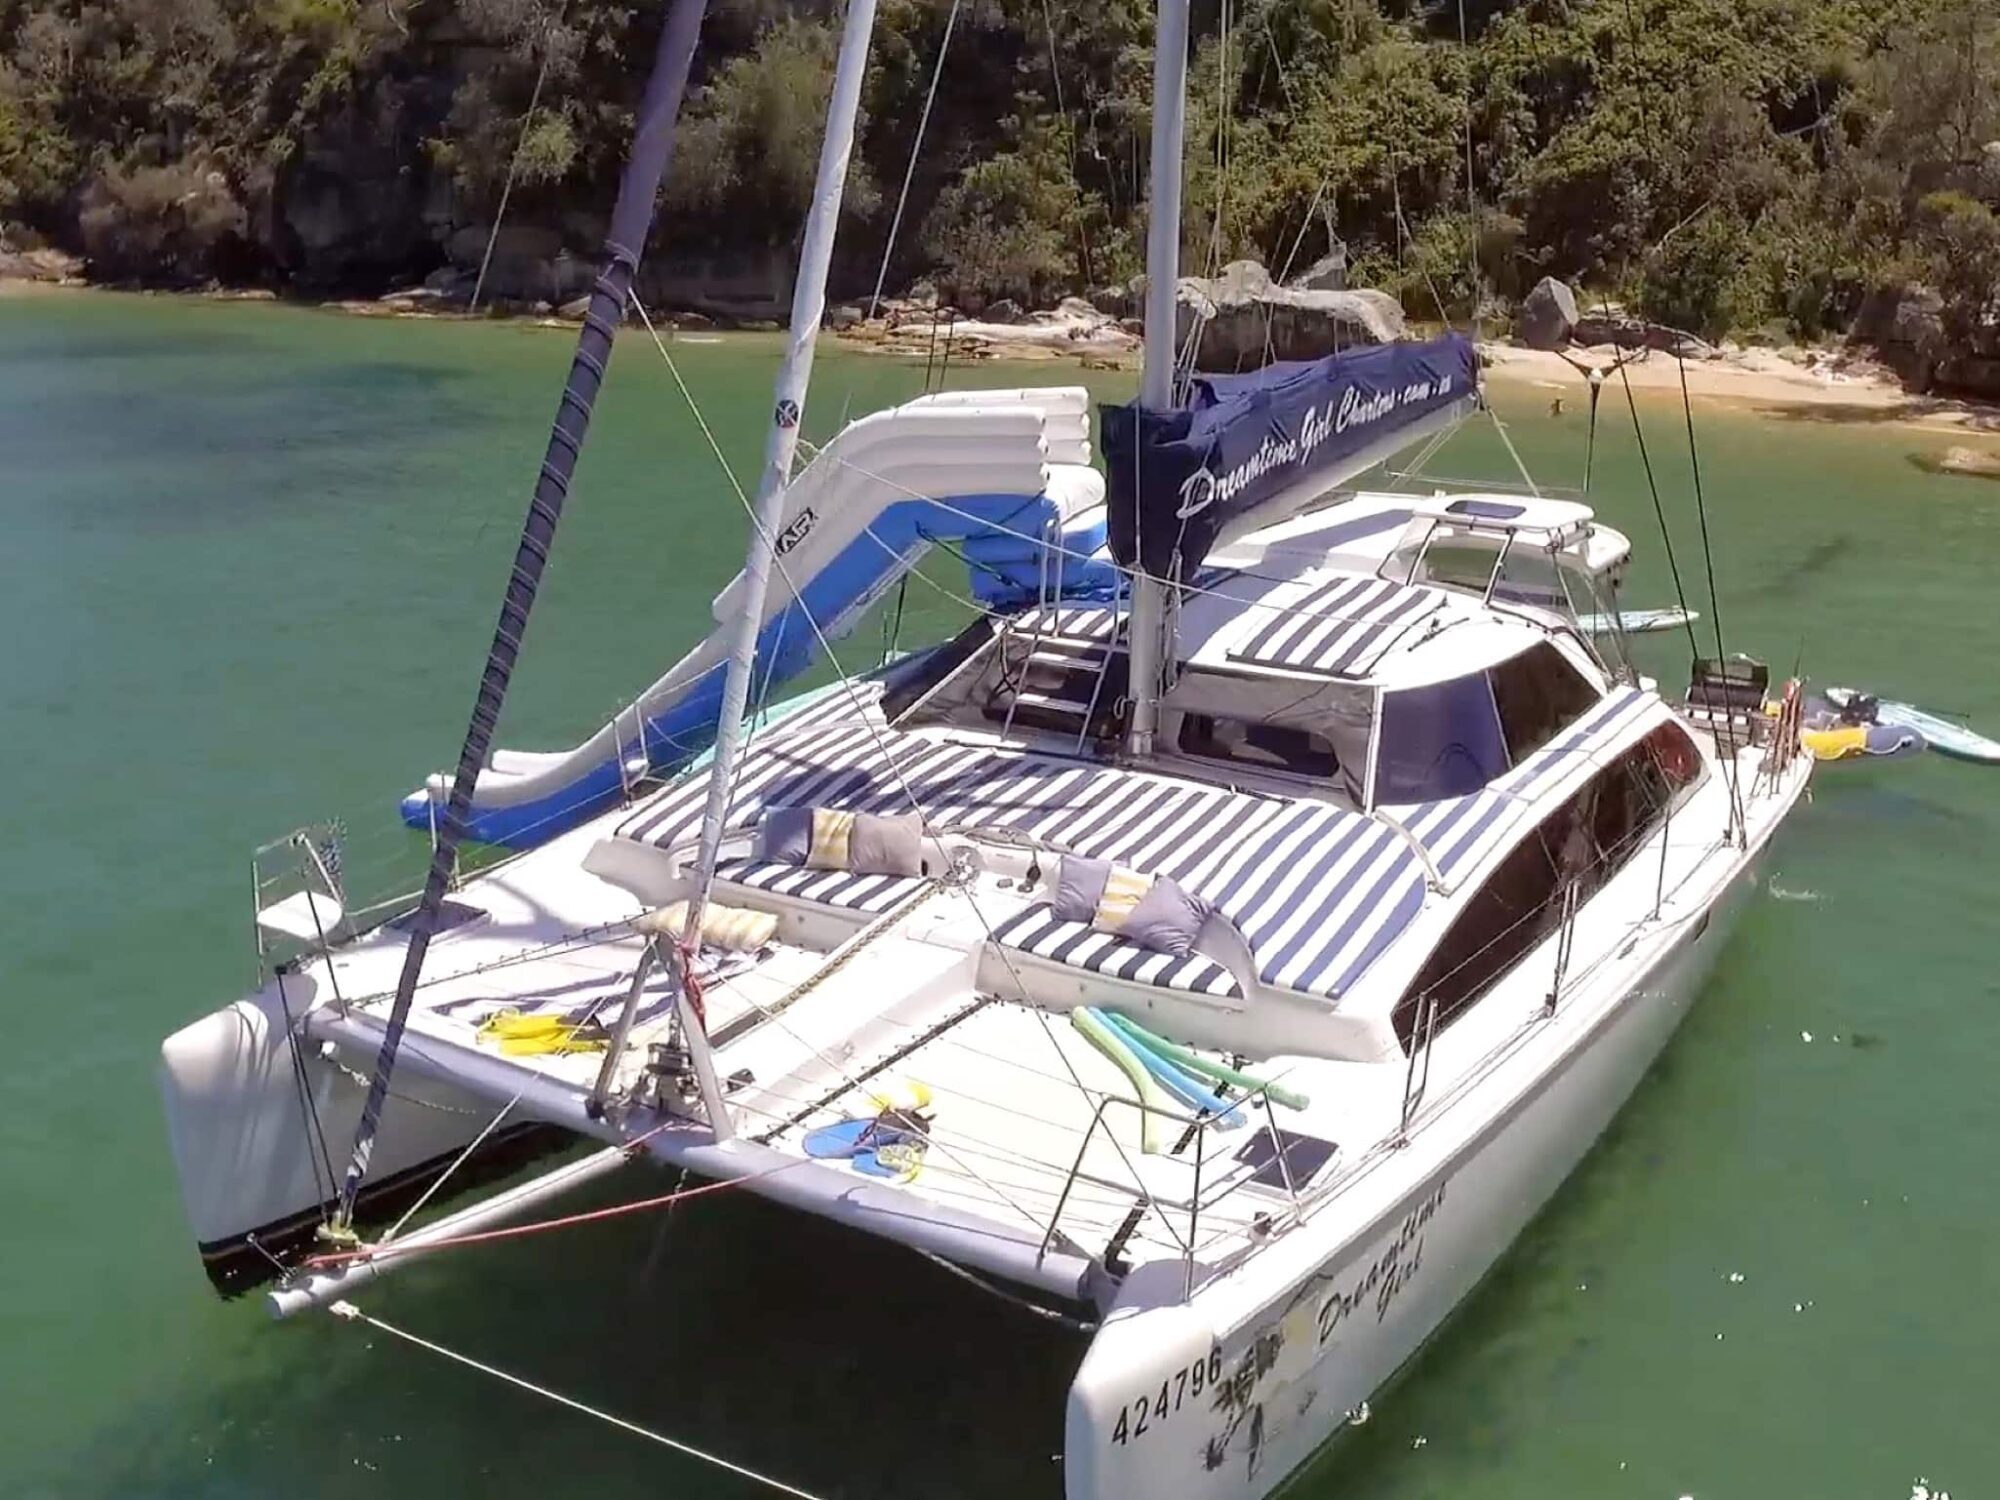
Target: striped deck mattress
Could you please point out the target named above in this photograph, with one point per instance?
(1318, 892)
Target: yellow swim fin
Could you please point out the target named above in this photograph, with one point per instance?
(521, 1035)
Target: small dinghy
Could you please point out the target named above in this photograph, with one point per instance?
(1639, 621)
(1944, 735)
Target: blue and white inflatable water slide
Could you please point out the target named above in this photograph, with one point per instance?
(1005, 477)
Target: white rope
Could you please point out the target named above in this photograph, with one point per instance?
(352, 1314)
(1501, 428)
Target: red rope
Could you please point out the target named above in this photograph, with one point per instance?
(693, 983)
(517, 1231)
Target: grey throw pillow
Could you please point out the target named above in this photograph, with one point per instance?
(886, 846)
(1166, 920)
(1079, 887)
(784, 834)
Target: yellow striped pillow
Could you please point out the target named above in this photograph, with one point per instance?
(1123, 890)
(831, 831)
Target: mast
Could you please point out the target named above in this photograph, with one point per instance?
(788, 406)
(1148, 644)
(631, 220)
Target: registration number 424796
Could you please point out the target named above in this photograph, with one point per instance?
(1146, 1412)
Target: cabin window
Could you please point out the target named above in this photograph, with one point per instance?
(1273, 747)
(1538, 693)
(1584, 842)
(1443, 740)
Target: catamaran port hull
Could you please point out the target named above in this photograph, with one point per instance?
(259, 1134)
(1225, 1394)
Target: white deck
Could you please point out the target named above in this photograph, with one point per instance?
(1033, 1130)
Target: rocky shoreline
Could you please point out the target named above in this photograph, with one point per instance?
(1241, 319)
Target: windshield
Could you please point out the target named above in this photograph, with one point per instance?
(1443, 740)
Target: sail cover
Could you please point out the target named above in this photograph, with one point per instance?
(1177, 478)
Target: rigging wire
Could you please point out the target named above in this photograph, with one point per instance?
(910, 171)
(1700, 507)
(1708, 563)
(1471, 193)
(391, 1250)
(348, 1312)
(1659, 509)
(847, 685)
(1062, 109)
(458, 1161)
(514, 161)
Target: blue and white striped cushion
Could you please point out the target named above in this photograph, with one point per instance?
(1340, 627)
(845, 888)
(1040, 932)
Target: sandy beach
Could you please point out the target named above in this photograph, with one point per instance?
(1833, 386)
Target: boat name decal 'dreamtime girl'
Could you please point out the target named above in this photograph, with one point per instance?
(1391, 1270)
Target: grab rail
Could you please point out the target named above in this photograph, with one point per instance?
(1195, 1130)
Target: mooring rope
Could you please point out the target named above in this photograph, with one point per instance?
(348, 1312)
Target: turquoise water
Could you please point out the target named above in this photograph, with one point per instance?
(252, 557)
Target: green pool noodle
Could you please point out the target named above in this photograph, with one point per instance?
(1115, 1047)
(1174, 1052)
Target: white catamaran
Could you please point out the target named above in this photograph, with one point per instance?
(1230, 939)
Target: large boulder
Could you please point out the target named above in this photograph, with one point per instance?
(1327, 274)
(1114, 301)
(23, 259)
(1548, 315)
(1246, 320)
(1905, 326)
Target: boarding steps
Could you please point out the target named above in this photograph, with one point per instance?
(1063, 684)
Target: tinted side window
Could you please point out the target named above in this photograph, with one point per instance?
(1438, 741)
(1584, 842)
(1502, 920)
(1278, 747)
(1537, 694)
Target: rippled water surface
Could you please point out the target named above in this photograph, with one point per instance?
(251, 556)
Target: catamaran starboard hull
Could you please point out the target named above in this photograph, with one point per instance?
(1225, 1394)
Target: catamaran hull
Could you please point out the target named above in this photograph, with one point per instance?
(1186, 1402)
(259, 1136)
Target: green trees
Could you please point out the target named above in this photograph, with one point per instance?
(749, 145)
(1717, 164)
